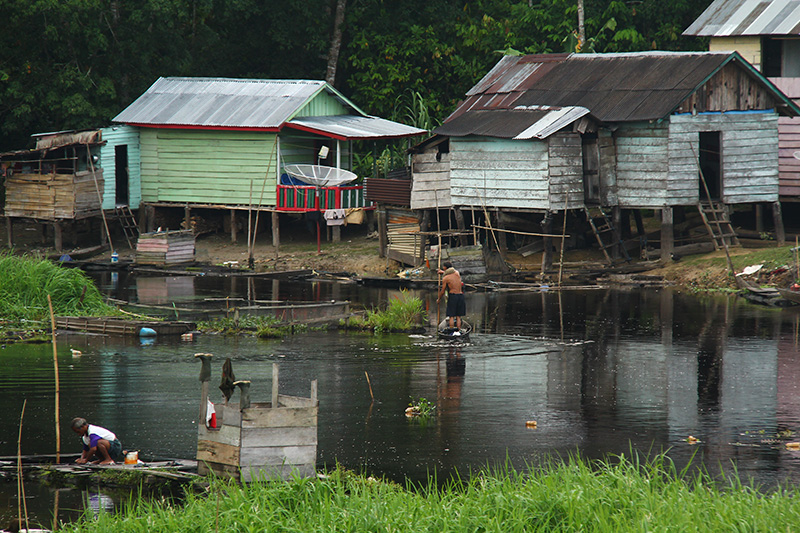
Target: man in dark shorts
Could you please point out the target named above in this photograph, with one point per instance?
(456, 305)
(99, 444)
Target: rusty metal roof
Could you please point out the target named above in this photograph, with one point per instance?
(613, 87)
(517, 123)
(724, 18)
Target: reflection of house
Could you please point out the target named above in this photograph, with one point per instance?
(767, 34)
(541, 134)
(223, 143)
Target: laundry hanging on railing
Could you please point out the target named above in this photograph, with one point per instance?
(334, 217)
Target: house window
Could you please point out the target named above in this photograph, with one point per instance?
(771, 57)
(591, 168)
(710, 165)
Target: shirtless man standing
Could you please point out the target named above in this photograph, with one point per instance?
(456, 305)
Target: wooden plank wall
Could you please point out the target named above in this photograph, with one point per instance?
(730, 89)
(788, 164)
(642, 165)
(749, 156)
(116, 136)
(749, 47)
(216, 167)
(431, 180)
(499, 173)
(607, 147)
(54, 196)
(566, 171)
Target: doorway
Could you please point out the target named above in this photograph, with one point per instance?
(710, 165)
(121, 174)
(591, 169)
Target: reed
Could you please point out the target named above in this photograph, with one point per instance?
(26, 281)
(403, 313)
(619, 494)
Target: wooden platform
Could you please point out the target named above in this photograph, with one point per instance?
(122, 326)
(165, 248)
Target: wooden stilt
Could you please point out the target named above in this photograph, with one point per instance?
(758, 213)
(667, 234)
(383, 238)
(233, 227)
(547, 254)
(276, 230)
(58, 236)
(9, 232)
(777, 219)
(616, 218)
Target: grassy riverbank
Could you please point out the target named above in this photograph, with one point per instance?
(619, 495)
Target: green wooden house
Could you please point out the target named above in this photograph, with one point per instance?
(223, 143)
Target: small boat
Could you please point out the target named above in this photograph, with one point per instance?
(757, 294)
(452, 333)
(122, 326)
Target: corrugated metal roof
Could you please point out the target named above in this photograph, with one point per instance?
(355, 127)
(517, 123)
(725, 18)
(613, 87)
(222, 102)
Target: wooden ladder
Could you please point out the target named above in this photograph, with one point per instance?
(128, 223)
(718, 223)
(604, 232)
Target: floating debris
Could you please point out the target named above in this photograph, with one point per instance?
(692, 440)
(531, 424)
(794, 446)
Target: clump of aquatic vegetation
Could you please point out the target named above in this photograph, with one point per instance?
(420, 409)
(25, 283)
(404, 313)
(617, 494)
(260, 326)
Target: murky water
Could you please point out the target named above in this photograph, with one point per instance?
(601, 372)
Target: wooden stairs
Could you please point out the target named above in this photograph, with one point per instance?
(718, 223)
(605, 233)
(128, 222)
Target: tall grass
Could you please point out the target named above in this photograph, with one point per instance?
(618, 495)
(404, 313)
(26, 281)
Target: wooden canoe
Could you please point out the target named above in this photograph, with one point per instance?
(454, 334)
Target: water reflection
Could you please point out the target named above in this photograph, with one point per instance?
(600, 371)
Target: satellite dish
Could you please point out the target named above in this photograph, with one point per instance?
(796, 154)
(319, 175)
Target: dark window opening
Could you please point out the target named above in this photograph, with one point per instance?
(591, 168)
(710, 165)
(121, 174)
(771, 57)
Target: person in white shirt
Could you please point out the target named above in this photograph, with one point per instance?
(100, 446)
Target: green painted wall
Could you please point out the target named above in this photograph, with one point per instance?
(323, 105)
(214, 167)
(116, 136)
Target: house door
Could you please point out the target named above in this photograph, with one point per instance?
(710, 165)
(591, 168)
(121, 174)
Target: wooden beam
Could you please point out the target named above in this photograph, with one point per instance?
(667, 234)
(276, 230)
(777, 219)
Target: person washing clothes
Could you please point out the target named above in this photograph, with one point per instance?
(456, 304)
(100, 446)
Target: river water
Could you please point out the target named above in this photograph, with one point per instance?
(601, 372)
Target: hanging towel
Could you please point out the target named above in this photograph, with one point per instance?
(334, 217)
(211, 416)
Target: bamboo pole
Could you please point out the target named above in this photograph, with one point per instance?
(370, 387)
(251, 246)
(58, 386)
(552, 235)
(22, 505)
(100, 197)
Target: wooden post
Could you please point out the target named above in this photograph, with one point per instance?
(58, 236)
(336, 233)
(151, 218)
(274, 385)
(276, 230)
(502, 240)
(205, 377)
(424, 222)
(758, 213)
(777, 219)
(383, 238)
(233, 227)
(187, 217)
(667, 234)
(616, 219)
(10, 232)
(462, 239)
(547, 254)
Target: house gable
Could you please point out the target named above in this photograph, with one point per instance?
(731, 88)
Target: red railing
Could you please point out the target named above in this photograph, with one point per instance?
(301, 198)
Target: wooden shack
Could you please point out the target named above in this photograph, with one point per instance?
(56, 183)
(165, 248)
(543, 134)
(257, 440)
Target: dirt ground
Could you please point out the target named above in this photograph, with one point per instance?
(356, 254)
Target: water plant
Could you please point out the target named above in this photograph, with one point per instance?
(617, 494)
(404, 313)
(26, 281)
(262, 326)
(420, 409)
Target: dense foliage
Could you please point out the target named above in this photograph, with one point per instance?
(25, 283)
(68, 64)
(614, 495)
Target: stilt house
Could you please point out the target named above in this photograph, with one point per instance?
(767, 34)
(647, 130)
(224, 143)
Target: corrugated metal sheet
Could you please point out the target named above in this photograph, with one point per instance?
(516, 123)
(727, 18)
(355, 127)
(221, 102)
(387, 191)
(613, 87)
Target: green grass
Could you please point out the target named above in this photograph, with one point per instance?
(260, 326)
(404, 313)
(616, 495)
(26, 281)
